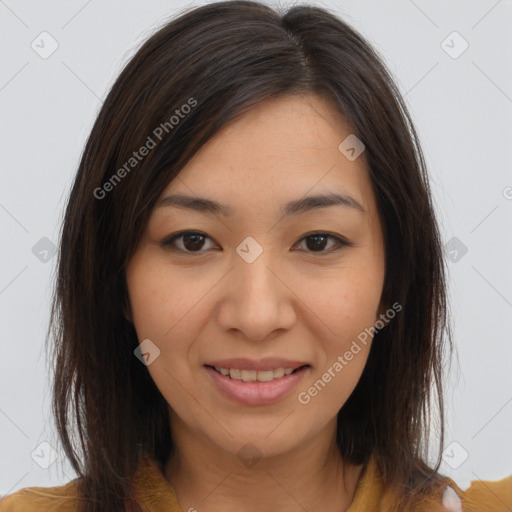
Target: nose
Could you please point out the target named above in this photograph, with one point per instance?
(257, 299)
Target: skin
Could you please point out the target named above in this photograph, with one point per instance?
(295, 301)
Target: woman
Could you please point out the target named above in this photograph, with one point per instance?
(250, 310)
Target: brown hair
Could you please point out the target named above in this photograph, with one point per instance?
(226, 57)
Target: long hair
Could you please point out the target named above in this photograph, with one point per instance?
(197, 73)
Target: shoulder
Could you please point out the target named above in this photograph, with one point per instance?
(63, 498)
(372, 494)
(491, 496)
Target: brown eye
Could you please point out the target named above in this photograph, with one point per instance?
(191, 242)
(316, 242)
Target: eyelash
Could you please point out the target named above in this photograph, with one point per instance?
(168, 242)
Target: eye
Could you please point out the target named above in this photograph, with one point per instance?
(193, 241)
(190, 241)
(318, 241)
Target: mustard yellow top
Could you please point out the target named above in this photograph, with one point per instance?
(155, 494)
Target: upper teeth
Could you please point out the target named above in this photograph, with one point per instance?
(254, 375)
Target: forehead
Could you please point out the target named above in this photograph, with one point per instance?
(280, 150)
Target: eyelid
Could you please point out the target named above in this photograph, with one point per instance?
(340, 242)
(167, 242)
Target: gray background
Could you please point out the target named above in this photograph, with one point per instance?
(462, 108)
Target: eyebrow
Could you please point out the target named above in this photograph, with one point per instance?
(302, 205)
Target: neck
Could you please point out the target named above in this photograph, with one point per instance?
(312, 476)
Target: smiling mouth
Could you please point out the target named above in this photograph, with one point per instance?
(256, 375)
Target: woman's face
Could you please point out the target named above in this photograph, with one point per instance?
(255, 290)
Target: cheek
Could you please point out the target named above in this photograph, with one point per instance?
(346, 302)
(349, 315)
(149, 303)
(160, 313)
(160, 299)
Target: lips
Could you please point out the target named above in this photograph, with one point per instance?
(256, 393)
(268, 363)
